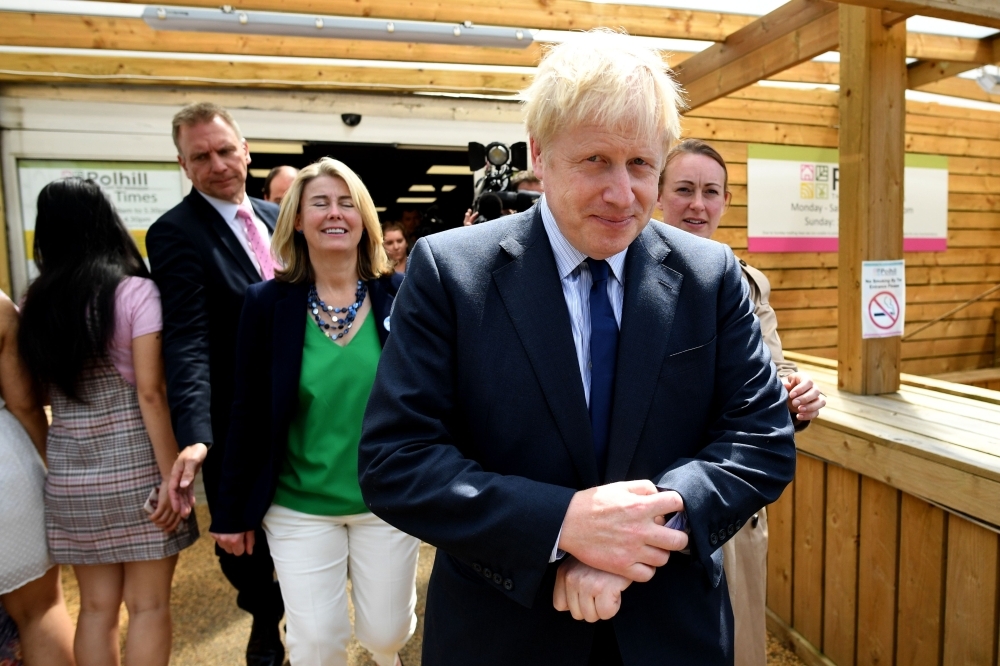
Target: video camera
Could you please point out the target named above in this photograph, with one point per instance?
(491, 197)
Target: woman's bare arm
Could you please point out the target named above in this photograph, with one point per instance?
(16, 386)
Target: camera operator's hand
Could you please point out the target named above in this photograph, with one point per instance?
(470, 218)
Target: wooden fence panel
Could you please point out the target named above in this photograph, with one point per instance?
(840, 603)
(877, 577)
(921, 582)
(970, 624)
(807, 572)
(780, 517)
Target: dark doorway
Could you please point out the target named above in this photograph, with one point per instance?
(390, 171)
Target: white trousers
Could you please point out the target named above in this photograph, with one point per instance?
(313, 556)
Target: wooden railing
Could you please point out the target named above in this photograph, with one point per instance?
(885, 548)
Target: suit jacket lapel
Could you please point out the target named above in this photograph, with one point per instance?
(288, 336)
(530, 288)
(651, 293)
(266, 218)
(225, 234)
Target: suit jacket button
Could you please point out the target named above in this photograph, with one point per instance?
(713, 539)
(731, 530)
(508, 585)
(722, 534)
(477, 567)
(497, 578)
(487, 573)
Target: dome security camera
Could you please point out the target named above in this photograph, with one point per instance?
(351, 119)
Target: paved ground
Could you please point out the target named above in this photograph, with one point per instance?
(209, 630)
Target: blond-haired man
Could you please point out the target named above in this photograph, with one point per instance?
(560, 383)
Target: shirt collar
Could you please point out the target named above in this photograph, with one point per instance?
(227, 209)
(568, 258)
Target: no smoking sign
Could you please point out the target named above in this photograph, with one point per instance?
(883, 298)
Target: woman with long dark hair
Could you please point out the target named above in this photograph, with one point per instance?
(90, 335)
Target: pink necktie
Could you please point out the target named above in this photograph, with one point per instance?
(257, 244)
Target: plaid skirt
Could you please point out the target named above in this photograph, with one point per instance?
(101, 471)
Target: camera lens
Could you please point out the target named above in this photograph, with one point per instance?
(497, 154)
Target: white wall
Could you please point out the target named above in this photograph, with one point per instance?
(52, 126)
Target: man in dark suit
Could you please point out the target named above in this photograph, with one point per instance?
(204, 254)
(575, 406)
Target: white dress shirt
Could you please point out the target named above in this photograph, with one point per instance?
(576, 281)
(574, 275)
(227, 209)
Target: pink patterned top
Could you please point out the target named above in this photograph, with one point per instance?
(137, 313)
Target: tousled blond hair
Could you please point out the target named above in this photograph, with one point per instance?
(605, 78)
(290, 248)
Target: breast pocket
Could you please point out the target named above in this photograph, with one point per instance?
(694, 360)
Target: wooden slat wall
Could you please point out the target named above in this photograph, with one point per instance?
(902, 582)
(804, 285)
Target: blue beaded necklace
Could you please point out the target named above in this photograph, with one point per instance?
(337, 327)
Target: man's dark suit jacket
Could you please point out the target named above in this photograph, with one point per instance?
(477, 435)
(203, 273)
(269, 355)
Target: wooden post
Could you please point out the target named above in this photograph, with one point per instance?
(996, 338)
(872, 116)
(5, 281)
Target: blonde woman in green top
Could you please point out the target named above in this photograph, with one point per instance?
(308, 348)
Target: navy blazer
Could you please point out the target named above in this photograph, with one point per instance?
(269, 364)
(202, 272)
(477, 436)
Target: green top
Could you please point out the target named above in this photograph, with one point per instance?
(320, 474)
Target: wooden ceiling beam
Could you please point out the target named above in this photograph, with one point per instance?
(99, 32)
(786, 19)
(722, 71)
(35, 68)
(547, 14)
(965, 88)
(925, 46)
(979, 12)
(924, 72)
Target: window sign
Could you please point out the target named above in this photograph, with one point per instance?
(793, 200)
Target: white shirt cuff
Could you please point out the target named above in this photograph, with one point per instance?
(556, 553)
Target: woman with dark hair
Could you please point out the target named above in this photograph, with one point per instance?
(309, 345)
(396, 247)
(90, 335)
(694, 195)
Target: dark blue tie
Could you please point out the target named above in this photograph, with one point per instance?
(603, 358)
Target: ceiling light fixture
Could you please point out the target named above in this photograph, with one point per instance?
(422, 188)
(227, 19)
(990, 83)
(449, 170)
(416, 200)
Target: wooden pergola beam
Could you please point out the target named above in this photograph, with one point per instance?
(786, 19)
(793, 34)
(549, 15)
(100, 32)
(925, 72)
(35, 68)
(952, 49)
(979, 12)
